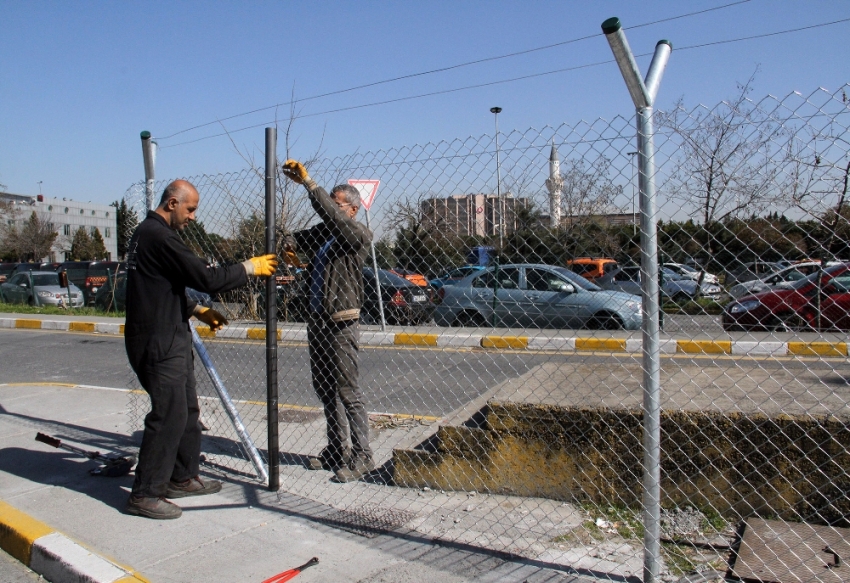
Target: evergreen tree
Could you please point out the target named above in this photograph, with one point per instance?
(81, 246)
(126, 222)
(98, 247)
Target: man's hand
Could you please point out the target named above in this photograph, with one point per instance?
(296, 172)
(261, 266)
(210, 317)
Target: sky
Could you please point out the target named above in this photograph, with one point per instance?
(80, 80)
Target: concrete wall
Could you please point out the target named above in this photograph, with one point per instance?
(790, 467)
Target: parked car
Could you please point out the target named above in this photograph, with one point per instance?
(749, 271)
(780, 278)
(90, 275)
(39, 288)
(820, 301)
(679, 289)
(6, 269)
(112, 294)
(534, 296)
(691, 272)
(411, 276)
(31, 266)
(592, 268)
(455, 275)
(405, 303)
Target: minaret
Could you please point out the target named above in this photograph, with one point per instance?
(554, 183)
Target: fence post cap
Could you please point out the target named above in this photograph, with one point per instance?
(611, 25)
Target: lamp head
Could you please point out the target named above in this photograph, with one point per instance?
(495, 110)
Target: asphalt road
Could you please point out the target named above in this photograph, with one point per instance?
(420, 381)
(13, 571)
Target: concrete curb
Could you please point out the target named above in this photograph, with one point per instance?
(53, 555)
(470, 340)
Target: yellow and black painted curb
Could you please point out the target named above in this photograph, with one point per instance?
(460, 339)
(53, 555)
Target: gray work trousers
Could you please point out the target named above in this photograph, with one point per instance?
(334, 348)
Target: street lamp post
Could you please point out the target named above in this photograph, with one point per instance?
(39, 186)
(634, 192)
(496, 111)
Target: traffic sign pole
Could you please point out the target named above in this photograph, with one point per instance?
(367, 190)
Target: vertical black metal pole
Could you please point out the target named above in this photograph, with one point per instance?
(271, 312)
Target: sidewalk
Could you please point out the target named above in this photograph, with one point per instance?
(68, 525)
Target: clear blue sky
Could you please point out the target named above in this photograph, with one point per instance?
(80, 80)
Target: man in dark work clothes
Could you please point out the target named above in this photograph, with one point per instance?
(159, 347)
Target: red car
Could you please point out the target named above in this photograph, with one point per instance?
(821, 301)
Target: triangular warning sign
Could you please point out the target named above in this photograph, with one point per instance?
(367, 190)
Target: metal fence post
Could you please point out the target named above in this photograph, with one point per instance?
(643, 95)
(271, 314)
(148, 146)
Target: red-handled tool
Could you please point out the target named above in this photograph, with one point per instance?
(287, 575)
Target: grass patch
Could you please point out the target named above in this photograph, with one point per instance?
(683, 560)
(698, 307)
(54, 311)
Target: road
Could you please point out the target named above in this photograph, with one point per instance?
(420, 381)
(13, 571)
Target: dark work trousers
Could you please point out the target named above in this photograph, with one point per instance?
(171, 444)
(334, 348)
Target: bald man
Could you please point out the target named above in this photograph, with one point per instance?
(159, 347)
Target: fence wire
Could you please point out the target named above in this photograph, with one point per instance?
(505, 391)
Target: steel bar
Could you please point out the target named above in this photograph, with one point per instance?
(230, 408)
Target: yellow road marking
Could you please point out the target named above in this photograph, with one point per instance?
(616, 344)
(818, 348)
(704, 346)
(405, 339)
(512, 342)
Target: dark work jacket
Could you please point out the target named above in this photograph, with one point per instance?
(343, 278)
(159, 269)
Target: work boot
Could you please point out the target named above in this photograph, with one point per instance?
(192, 487)
(328, 461)
(356, 469)
(156, 508)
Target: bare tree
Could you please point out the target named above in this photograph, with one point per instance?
(588, 190)
(725, 164)
(31, 241)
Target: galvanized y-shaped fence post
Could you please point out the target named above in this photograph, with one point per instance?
(149, 155)
(643, 94)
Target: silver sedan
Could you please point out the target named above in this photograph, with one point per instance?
(534, 296)
(39, 288)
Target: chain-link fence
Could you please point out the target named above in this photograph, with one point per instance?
(505, 393)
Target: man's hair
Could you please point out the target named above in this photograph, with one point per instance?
(352, 196)
(173, 190)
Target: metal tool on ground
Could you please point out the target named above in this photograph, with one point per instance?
(113, 466)
(287, 575)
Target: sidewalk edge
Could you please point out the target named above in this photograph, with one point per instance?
(55, 556)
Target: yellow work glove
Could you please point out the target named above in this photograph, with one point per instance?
(296, 172)
(262, 266)
(210, 317)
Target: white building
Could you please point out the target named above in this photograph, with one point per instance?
(67, 216)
